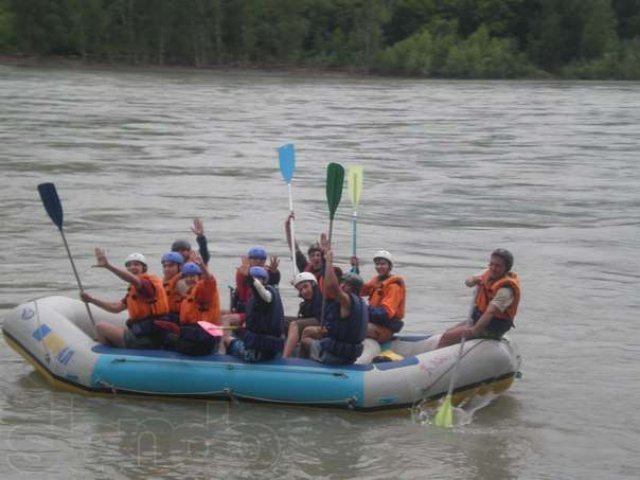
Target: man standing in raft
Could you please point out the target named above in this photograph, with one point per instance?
(387, 296)
(146, 301)
(496, 301)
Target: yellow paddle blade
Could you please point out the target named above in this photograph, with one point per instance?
(355, 184)
(444, 415)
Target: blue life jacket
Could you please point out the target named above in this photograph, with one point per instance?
(313, 307)
(345, 335)
(265, 324)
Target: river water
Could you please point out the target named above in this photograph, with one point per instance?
(452, 169)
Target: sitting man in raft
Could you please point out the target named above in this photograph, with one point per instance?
(387, 297)
(495, 304)
(338, 341)
(262, 339)
(145, 301)
(201, 303)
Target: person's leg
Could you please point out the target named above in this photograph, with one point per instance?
(378, 333)
(110, 334)
(451, 336)
(309, 334)
(292, 340)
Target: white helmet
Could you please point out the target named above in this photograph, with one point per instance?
(304, 277)
(383, 254)
(136, 257)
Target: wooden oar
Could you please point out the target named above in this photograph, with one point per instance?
(335, 182)
(444, 415)
(287, 158)
(355, 190)
(52, 205)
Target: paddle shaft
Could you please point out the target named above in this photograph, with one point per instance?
(75, 272)
(294, 268)
(354, 221)
(324, 297)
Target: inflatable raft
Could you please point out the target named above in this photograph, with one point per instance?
(55, 335)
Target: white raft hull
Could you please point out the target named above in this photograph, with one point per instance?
(54, 334)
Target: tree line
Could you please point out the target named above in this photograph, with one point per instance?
(429, 38)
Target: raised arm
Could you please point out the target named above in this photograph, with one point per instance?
(103, 262)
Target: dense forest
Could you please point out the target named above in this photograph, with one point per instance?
(430, 38)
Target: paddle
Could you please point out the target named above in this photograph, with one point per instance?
(287, 157)
(52, 205)
(444, 415)
(335, 182)
(355, 190)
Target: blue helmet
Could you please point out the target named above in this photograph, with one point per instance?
(258, 252)
(259, 272)
(173, 257)
(190, 268)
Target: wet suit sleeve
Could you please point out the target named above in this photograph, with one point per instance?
(203, 248)
(301, 260)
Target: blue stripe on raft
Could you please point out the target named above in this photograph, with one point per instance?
(41, 332)
(168, 373)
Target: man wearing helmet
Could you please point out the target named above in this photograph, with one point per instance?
(308, 313)
(496, 301)
(339, 340)
(146, 301)
(262, 339)
(171, 264)
(387, 296)
(200, 304)
(256, 257)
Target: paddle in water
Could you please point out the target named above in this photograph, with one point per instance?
(287, 158)
(444, 415)
(354, 183)
(53, 206)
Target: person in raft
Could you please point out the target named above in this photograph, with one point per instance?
(146, 301)
(256, 257)
(308, 313)
(262, 339)
(315, 261)
(339, 340)
(200, 304)
(387, 297)
(171, 264)
(496, 301)
(183, 247)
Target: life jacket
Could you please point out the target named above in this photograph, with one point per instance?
(487, 291)
(142, 308)
(202, 303)
(242, 292)
(313, 307)
(265, 324)
(383, 293)
(173, 295)
(345, 335)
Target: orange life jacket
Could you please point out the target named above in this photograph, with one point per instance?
(173, 295)
(202, 303)
(141, 308)
(390, 293)
(487, 291)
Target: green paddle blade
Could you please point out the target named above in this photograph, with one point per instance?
(444, 415)
(355, 184)
(335, 181)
